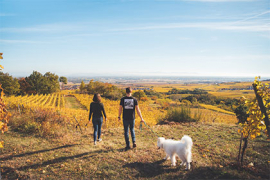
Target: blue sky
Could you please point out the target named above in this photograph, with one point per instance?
(136, 37)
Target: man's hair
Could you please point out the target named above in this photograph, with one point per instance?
(97, 98)
(128, 90)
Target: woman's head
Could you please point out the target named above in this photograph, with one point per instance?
(97, 98)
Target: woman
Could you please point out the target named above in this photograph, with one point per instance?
(97, 108)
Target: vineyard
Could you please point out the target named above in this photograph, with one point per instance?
(56, 102)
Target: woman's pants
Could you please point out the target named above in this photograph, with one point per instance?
(97, 123)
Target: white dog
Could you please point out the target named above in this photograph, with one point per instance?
(181, 148)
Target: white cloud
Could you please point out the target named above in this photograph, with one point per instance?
(215, 26)
(254, 16)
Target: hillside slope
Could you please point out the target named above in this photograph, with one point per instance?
(75, 157)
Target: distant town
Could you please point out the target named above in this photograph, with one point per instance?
(138, 82)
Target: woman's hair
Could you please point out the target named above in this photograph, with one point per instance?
(97, 98)
(128, 90)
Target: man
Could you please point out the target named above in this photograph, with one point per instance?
(128, 104)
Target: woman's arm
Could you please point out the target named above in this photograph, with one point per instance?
(90, 112)
(103, 111)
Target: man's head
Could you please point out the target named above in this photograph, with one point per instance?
(128, 90)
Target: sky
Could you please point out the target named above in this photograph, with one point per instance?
(136, 37)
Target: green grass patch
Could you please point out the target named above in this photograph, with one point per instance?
(214, 108)
(72, 102)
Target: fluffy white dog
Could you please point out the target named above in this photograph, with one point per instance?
(181, 148)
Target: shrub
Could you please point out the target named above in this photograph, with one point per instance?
(44, 123)
(164, 103)
(186, 102)
(144, 99)
(181, 114)
(241, 113)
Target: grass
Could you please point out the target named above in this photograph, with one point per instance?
(71, 102)
(214, 108)
(181, 114)
(75, 157)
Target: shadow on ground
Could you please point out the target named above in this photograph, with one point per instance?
(153, 169)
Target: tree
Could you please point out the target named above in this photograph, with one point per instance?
(82, 86)
(10, 85)
(63, 79)
(43, 84)
(90, 87)
(99, 87)
(36, 82)
(241, 112)
(25, 87)
(139, 94)
(51, 83)
(258, 113)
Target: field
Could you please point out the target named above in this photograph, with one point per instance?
(68, 152)
(75, 157)
(231, 90)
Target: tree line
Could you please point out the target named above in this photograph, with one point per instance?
(186, 91)
(105, 89)
(113, 92)
(35, 83)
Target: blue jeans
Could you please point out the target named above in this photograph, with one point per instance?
(97, 123)
(129, 124)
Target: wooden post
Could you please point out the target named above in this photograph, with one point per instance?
(244, 148)
(240, 147)
(263, 109)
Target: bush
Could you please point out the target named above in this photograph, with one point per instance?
(181, 114)
(164, 103)
(241, 113)
(44, 123)
(29, 127)
(186, 102)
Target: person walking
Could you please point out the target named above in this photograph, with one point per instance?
(96, 111)
(128, 104)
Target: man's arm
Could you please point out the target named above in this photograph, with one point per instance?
(139, 112)
(119, 112)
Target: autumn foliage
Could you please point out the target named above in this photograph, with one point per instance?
(4, 115)
(255, 123)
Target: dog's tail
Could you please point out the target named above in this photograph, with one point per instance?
(188, 143)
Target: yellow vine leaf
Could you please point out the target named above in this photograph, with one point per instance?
(255, 122)
(1, 125)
